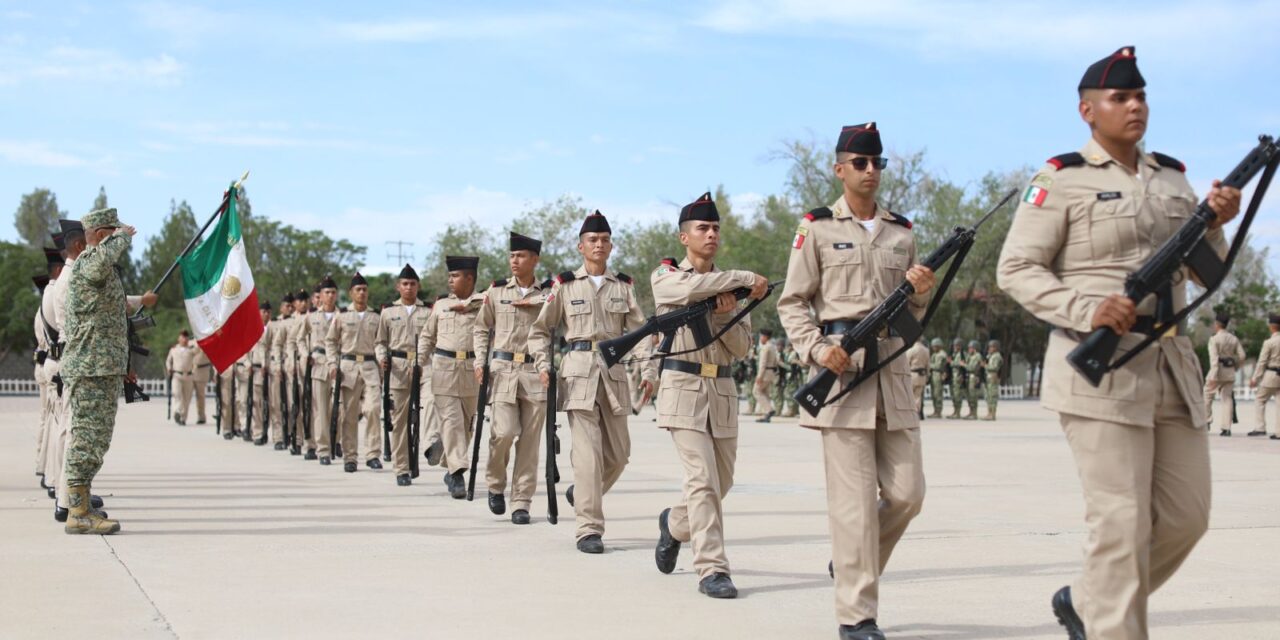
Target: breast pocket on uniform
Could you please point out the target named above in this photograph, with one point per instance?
(842, 275)
(1113, 228)
(506, 317)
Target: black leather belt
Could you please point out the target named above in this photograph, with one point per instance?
(456, 355)
(704, 369)
(920, 371)
(582, 345)
(518, 358)
(407, 355)
(257, 366)
(1273, 369)
(1230, 363)
(318, 351)
(839, 327)
(358, 358)
(204, 366)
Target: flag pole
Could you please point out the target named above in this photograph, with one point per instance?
(226, 200)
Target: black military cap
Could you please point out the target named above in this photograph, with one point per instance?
(1116, 71)
(525, 243)
(265, 306)
(288, 297)
(53, 257)
(301, 295)
(59, 241)
(461, 263)
(1222, 319)
(768, 333)
(327, 283)
(595, 223)
(41, 281)
(1274, 319)
(357, 279)
(860, 138)
(407, 273)
(704, 208)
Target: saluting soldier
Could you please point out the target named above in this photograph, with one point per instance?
(179, 366)
(350, 344)
(938, 363)
(310, 343)
(1266, 376)
(397, 343)
(845, 260)
(994, 362)
(447, 340)
(697, 400)
(260, 364)
(766, 374)
(959, 377)
(973, 369)
(1225, 355)
(592, 304)
(507, 313)
(918, 362)
(1087, 220)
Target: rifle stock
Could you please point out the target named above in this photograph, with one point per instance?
(335, 449)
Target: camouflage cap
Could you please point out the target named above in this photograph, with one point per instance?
(937, 342)
(993, 344)
(973, 344)
(101, 218)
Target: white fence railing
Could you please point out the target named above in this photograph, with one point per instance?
(1007, 392)
(28, 387)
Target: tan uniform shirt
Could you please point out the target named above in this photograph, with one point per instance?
(352, 333)
(1095, 224)
(310, 338)
(181, 360)
(691, 401)
(918, 359)
(452, 331)
(510, 325)
(1222, 346)
(841, 271)
(279, 330)
(261, 352)
(398, 328)
(767, 362)
(1267, 372)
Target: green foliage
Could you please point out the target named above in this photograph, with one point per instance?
(100, 201)
(18, 263)
(37, 218)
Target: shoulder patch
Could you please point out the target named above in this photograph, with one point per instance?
(818, 214)
(900, 220)
(500, 282)
(1073, 159)
(624, 277)
(1168, 161)
(670, 262)
(567, 276)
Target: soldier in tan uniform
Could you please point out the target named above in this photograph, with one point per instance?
(279, 334)
(201, 374)
(295, 360)
(1087, 221)
(260, 365)
(179, 367)
(350, 343)
(1225, 355)
(918, 362)
(592, 304)
(310, 344)
(767, 363)
(846, 259)
(697, 400)
(397, 346)
(1266, 376)
(519, 402)
(448, 337)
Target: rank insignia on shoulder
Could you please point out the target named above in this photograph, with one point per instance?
(624, 277)
(546, 283)
(500, 282)
(564, 277)
(1168, 161)
(899, 220)
(1073, 159)
(667, 265)
(818, 214)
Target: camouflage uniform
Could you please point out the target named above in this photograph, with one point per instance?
(994, 362)
(958, 376)
(937, 376)
(973, 366)
(791, 361)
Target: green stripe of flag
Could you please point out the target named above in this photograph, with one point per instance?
(202, 268)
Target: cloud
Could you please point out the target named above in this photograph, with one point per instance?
(38, 154)
(88, 65)
(184, 24)
(461, 28)
(269, 135)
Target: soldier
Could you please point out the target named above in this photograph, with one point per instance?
(918, 362)
(178, 367)
(1088, 220)
(42, 381)
(593, 304)
(202, 372)
(448, 336)
(294, 353)
(795, 373)
(96, 361)
(507, 313)
(47, 356)
(1225, 355)
(959, 377)
(697, 401)
(349, 343)
(973, 369)
(749, 379)
(1266, 376)
(397, 345)
(766, 374)
(938, 363)
(845, 260)
(260, 366)
(310, 342)
(993, 365)
(278, 330)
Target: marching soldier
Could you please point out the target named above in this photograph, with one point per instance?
(959, 377)
(1266, 376)
(278, 331)
(845, 260)
(397, 345)
(507, 313)
(697, 401)
(201, 374)
(47, 366)
(973, 369)
(918, 362)
(350, 345)
(993, 365)
(178, 367)
(1086, 221)
(447, 337)
(766, 374)
(1225, 355)
(294, 354)
(938, 363)
(593, 304)
(260, 366)
(310, 343)
(42, 381)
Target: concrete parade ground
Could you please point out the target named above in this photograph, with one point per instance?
(228, 540)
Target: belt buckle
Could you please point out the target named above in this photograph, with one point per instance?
(518, 358)
(360, 358)
(411, 355)
(1170, 334)
(461, 355)
(709, 370)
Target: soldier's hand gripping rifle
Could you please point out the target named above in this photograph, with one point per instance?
(893, 314)
(1187, 248)
(481, 400)
(694, 316)
(553, 440)
(388, 406)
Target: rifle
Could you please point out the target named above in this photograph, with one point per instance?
(1188, 247)
(248, 414)
(234, 418)
(296, 405)
(217, 392)
(266, 402)
(306, 400)
(334, 447)
(693, 316)
(415, 420)
(285, 430)
(892, 313)
(132, 390)
(475, 448)
(168, 394)
(553, 441)
(388, 406)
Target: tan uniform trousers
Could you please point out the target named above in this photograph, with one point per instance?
(42, 433)
(918, 382)
(226, 403)
(762, 391)
(183, 387)
(699, 517)
(520, 424)
(51, 464)
(199, 386)
(321, 412)
(273, 397)
(600, 451)
(1146, 494)
(400, 430)
(363, 398)
(260, 413)
(308, 442)
(242, 386)
(1259, 408)
(59, 438)
(875, 486)
(1223, 391)
(455, 416)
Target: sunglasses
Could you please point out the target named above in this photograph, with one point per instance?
(860, 163)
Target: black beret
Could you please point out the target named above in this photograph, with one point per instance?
(41, 281)
(860, 138)
(595, 223)
(265, 306)
(327, 283)
(407, 273)
(461, 263)
(525, 243)
(1222, 319)
(704, 208)
(301, 295)
(59, 241)
(70, 227)
(357, 279)
(1116, 71)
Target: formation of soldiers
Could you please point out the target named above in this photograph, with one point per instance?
(318, 371)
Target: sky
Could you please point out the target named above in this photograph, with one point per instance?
(385, 121)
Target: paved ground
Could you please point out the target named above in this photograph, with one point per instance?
(226, 540)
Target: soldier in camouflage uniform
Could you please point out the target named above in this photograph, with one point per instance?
(96, 361)
(791, 362)
(994, 362)
(959, 376)
(973, 367)
(938, 363)
(750, 381)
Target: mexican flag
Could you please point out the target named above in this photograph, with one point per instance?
(222, 304)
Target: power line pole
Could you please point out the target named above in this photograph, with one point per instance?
(399, 252)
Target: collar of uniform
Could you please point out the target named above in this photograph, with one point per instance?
(841, 210)
(687, 265)
(1095, 155)
(581, 274)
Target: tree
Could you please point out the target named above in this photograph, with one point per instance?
(37, 217)
(556, 224)
(166, 247)
(100, 202)
(18, 263)
(1248, 295)
(468, 239)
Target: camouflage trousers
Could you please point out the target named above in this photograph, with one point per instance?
(935, 389)
(957, 395)
(993, 392)
(93, 404)
(975, 392)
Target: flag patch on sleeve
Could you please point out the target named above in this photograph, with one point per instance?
(801, 232)
(1035, 195)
